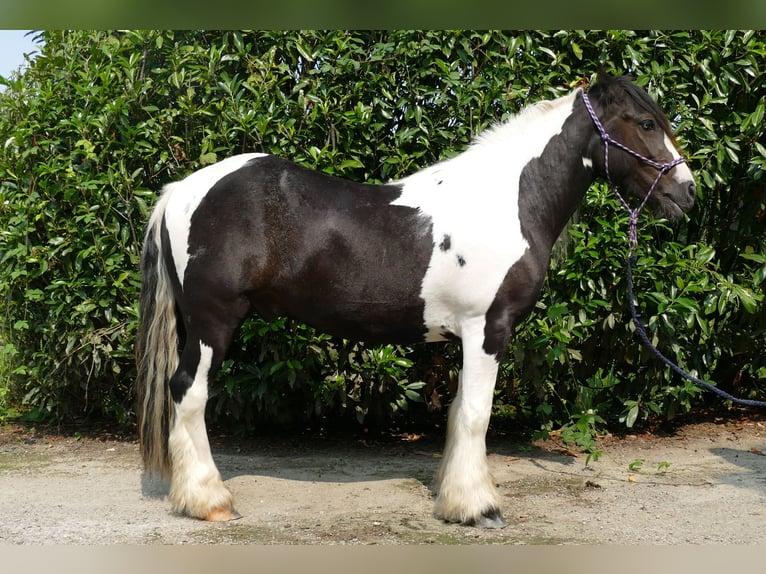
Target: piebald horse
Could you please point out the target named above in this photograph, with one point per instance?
(458, 250)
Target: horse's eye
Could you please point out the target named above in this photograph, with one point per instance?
(648, 125)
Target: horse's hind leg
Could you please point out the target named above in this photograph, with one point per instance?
(466, 491)
(196, 487)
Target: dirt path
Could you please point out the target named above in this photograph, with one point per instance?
(706, 483)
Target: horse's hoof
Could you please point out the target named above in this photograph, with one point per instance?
(492, 518)
(222, 515)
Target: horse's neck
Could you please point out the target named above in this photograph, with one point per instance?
(541, 157)
(527, 174)
(553, 184)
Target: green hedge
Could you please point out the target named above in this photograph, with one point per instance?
(100, 121)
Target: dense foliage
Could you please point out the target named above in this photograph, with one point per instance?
(100, 121)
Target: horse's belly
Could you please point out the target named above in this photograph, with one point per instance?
(357, 319)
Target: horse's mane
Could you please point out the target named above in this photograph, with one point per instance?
(607, 89)
(503, 129)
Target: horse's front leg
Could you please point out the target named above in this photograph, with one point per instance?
(196, 488)
(466, 491)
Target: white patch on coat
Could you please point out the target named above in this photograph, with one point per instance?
(474, 198)
(681, 173)
(185, 197)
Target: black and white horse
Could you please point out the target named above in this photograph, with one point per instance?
(457, 250)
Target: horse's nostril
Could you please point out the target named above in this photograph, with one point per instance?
(692, 191)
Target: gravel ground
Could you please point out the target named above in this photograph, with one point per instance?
(701, 484)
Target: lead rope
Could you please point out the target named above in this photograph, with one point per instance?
(662, 169)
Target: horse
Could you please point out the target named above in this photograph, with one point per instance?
(458, 251)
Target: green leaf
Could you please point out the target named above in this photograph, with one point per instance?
(208, 158)
(350, 163)
(576, 50)
(705, 254)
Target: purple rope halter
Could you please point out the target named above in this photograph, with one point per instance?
(662, 169)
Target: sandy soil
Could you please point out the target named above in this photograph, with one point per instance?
(703, 483)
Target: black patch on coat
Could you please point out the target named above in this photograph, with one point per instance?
(299, 243)
(551, 187)
(446, 243)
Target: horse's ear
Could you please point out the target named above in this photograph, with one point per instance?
(605, 86)
(603, 77)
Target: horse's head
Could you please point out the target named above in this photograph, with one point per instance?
(642, 143)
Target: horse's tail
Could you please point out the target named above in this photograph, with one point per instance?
(156, 348)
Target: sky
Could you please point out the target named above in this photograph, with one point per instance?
(13, 45)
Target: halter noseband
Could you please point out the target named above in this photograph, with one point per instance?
(662, 169)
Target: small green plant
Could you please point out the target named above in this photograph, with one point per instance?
(663, 467)
(582, 431)
(638, 464)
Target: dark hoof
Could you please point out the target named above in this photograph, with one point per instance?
(492, 518)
